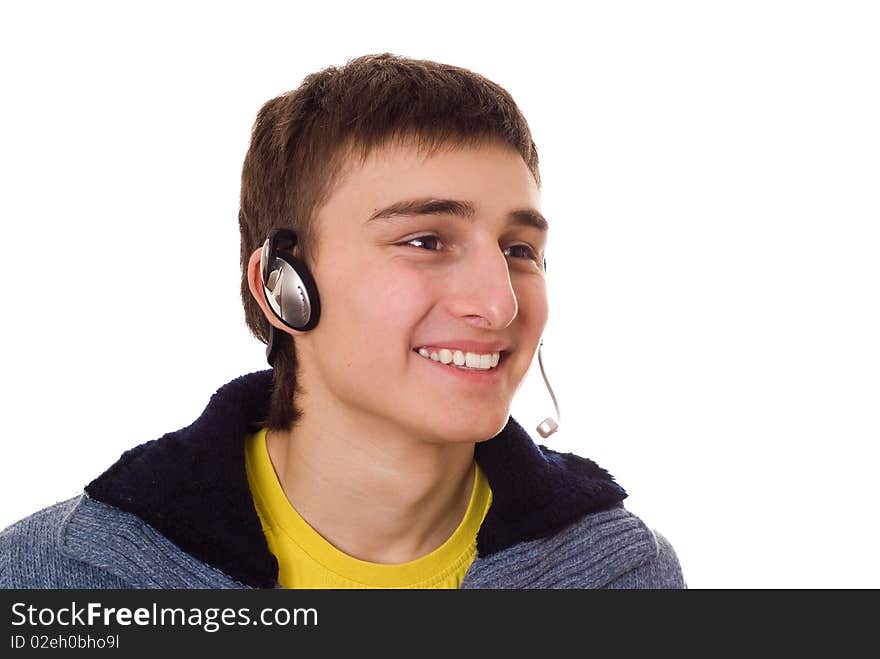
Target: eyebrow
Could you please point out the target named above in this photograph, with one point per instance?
(465, 209)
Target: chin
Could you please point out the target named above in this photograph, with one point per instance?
(469, 429)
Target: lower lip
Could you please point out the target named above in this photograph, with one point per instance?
(490, 376)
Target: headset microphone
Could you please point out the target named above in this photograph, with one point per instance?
(548, 426)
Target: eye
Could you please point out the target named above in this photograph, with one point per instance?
(525, 251)
(424, 240)
(431, 243)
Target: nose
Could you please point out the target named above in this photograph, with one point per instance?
(481, 292)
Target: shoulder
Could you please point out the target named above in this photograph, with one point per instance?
(618, 550)
(657, 568)
(32, 554)
(611, 549)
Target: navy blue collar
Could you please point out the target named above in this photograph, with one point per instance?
(191, 486)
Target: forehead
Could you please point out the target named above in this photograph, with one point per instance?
(492, 177)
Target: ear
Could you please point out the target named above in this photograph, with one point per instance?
(255, 284)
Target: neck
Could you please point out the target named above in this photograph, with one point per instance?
(371, 490)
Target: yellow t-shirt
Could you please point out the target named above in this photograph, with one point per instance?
(307, 560)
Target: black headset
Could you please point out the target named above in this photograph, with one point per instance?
(288, 285)
(293, 297)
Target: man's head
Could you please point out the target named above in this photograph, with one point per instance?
(459, 267)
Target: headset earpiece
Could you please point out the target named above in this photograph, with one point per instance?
(290, 289)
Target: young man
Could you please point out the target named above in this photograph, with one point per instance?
(393, 261)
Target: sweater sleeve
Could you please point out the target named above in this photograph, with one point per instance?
(30, 555)
(662, 571)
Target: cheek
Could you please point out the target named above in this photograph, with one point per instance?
(377, 311)
(531, 296)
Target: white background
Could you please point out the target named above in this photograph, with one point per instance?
(711, 175)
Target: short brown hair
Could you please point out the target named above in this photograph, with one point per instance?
(301, 140)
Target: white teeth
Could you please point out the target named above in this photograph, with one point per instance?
(459, 358)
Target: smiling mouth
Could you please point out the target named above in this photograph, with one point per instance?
(461, 361)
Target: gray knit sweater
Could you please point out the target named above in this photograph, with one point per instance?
(177, 513)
